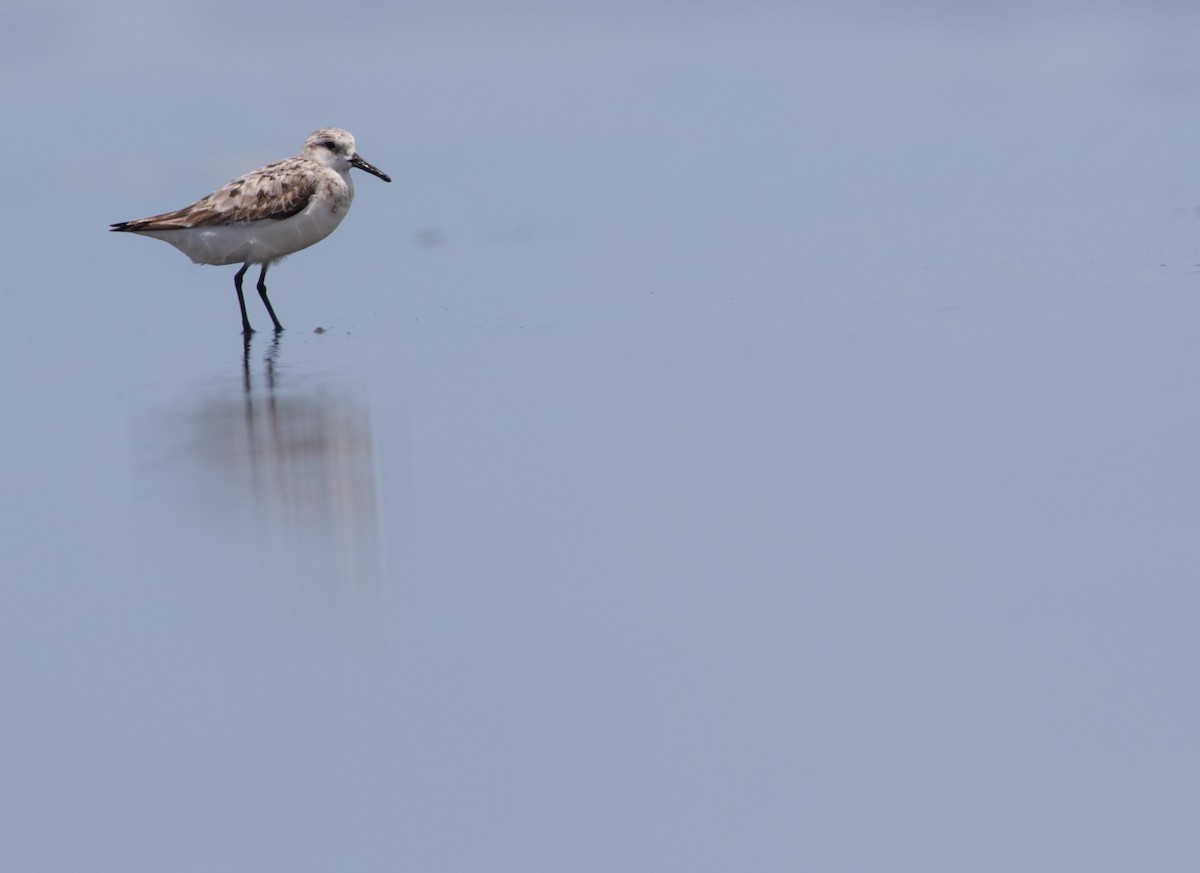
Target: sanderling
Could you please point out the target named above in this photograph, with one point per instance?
(267, 214)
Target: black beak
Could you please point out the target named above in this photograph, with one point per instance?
(356, 161)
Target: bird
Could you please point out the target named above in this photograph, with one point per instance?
(267, 214)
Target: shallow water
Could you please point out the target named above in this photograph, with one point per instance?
(736, 440)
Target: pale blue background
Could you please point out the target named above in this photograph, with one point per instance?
(745, 437)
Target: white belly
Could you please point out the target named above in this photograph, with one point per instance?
(256, 242)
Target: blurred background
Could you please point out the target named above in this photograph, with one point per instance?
(750, 436)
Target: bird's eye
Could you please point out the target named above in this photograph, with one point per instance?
(329, 144)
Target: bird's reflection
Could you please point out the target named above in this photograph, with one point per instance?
(291, 462)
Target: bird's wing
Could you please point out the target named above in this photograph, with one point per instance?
(275, 192)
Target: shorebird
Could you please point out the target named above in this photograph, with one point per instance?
(267, 214)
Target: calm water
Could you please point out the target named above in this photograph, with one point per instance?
(738, 440)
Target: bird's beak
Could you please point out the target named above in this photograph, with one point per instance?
(357, 161)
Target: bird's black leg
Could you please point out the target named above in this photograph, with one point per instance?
(262, 292)
(237, 283)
